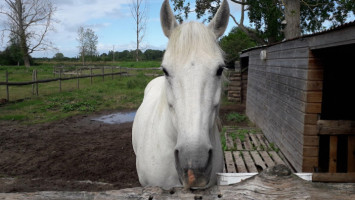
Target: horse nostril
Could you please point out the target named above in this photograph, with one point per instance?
(210, 152)
(176, 154)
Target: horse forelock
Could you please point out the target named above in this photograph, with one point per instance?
(190, 41)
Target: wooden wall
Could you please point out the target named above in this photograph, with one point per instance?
(280, 101)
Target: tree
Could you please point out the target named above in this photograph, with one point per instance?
(139, 14)
(30, 20)
(58, 56)
(275, 20)
(87, 43)
(233, 43)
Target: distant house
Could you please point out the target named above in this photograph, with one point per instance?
(300, 92)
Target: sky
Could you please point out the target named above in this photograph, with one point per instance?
(112, 22)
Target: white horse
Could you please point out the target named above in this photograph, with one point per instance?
(175, 135)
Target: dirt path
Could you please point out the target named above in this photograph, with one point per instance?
(67, 155)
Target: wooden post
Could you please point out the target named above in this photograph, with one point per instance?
(112, 72)
(77, 78)
(33, 85)
(120, 71)
(351, 153)
(36, 82)
(7, 86)
(60, 80)
(91, 75)
(333, 146)
(103, 73)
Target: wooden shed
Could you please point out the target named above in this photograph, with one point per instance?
(301, 94)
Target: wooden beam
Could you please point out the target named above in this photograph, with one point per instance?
(334, 177)
(309, 140)
(314, 97)
(336, 127)
(333, 146)
(351, 153)
(310, 151)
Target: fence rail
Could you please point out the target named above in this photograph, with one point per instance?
(76, 76)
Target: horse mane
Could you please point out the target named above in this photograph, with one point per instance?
(192, 39)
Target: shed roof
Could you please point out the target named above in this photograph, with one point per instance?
(331, 30)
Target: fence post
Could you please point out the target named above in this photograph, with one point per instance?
(33, 85)
(112, 72)
(60, 79)
(36, 82)
(103, 73)
(7, 86)
(91, 75)
(120, 71)
(77, 78)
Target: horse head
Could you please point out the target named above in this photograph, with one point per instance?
(193, 65)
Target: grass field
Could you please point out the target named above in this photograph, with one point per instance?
(121, 92)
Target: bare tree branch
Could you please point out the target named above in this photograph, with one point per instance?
(139, 14)
(30, 21)
(240, 2)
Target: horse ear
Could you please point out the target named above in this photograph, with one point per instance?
(220, 21)
(167, 19)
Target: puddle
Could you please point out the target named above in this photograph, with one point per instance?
(117, 118)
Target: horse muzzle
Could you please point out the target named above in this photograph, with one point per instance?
(194, 168)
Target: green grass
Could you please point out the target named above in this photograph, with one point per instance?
(111, 94)
(236, 117)
(223, 139)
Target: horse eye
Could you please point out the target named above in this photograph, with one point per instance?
(219, 71)
(165, 72)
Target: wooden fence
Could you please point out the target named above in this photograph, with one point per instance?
(76, 74)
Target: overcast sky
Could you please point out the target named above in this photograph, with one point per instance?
(112, 22)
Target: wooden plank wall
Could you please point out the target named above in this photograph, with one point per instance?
(279, 101)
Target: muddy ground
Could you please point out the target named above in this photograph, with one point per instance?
(73, 154)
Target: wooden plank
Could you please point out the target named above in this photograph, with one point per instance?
(311, 129)
(333, 146)
(336, 127)
(276, 158)
(229, 162)
(351, 153)
(334, 177)
(313, 108)
(336, 123)
(263, 141)
(336, 131)
(314, 97)
(310, 151)
(257, 159)
(315, 75)
(229, 141)
(239, 144)
(247, 143)
(314, 85)
(310, 140)
(267, 158)
(310, 119)
(239, 162)
(249, 162)
(255, 141)
(310, 163)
